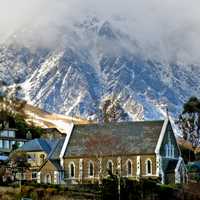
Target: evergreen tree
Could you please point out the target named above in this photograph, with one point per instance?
(112, 111)
(189, 121)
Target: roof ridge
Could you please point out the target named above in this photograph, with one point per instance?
(123, 122)
(53, 149)
(38, 141)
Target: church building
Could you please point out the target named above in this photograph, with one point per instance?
(143, 149)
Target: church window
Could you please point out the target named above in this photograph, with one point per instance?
(129, 168)
(148, 167)
(91, 168)
(72, 170)
(110, 166)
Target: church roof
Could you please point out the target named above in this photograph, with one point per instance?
(53, 156)
(114, 138)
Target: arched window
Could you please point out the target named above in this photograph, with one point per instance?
(148, 167)
(110, 166)
(129, 168)
(72, 170)
(48, 179)
(90, 168)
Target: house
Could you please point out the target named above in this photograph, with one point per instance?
(194, 171)
(8, 139)
(38, 151)
(145, 149)
(51, 170)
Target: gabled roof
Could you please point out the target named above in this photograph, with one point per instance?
(39, 144)
(134, 138)
(55, 153)
(53, 156)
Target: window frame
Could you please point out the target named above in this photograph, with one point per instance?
(147, 167)
(70, 171)
(108, 165)
(89, 169)
(127, 167)
(35, 175)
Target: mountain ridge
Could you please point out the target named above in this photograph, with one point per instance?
(91, 62)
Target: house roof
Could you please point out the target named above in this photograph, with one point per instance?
(39, 144)
(194, 166)
(53, 156)
(56, 164)
(114, 138)
(55, 153)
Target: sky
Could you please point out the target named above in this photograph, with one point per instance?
(168, 26)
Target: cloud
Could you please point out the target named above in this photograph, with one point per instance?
(169, 29)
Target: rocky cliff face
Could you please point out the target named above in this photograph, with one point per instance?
(89, 62)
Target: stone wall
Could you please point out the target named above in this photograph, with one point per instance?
(101, 166)
(47, 169)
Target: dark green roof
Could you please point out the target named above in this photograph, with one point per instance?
(128, 138)
(56, 164)
(171, 166)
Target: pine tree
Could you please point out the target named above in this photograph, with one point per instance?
(189, 121)
(112, 111)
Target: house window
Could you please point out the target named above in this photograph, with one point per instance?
(72, 170)
(4, 133)
(91, 168)
(11, 134)
(110, 166)
(1, 144)
(10, 144)
(31, 157)
(6, 144)
(34, 175)
(129, 168)
(148, 167)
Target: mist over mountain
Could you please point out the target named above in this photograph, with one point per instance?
(68, 56)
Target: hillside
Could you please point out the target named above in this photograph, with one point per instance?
(50, 120)
(38, 116)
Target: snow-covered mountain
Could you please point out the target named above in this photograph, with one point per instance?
(90, 61)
